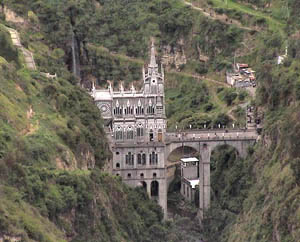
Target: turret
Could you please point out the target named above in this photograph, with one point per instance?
(153, 80)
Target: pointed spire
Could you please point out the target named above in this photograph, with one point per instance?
(144, 76)
(132, 88)
(110, 86)
(93, 86)
(152, 58)
(121, 87)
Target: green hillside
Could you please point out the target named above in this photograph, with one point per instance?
(52, 147)
(53, 150)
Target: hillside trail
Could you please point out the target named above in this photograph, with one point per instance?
(209, 13)
(28, 56)
(200, 77)
(11, 16)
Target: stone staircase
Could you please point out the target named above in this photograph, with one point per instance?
(29, 60)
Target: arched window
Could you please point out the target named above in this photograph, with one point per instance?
(129, 175)
(154, 189)
(144, 159)
(153, 158)
(128, 110)
(154, 175)
(139, 110)
(140, 130)
(139, 159)
(130, 133)
(118, 111)
(118, 165)
(142, 175)
(150, 108)
(129, 159)
(119, 133)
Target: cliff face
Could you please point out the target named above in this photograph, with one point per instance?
(51, 139)
(52, 147)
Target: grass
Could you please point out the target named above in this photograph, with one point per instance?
(22, 219)
(184, 106)
(274, 24)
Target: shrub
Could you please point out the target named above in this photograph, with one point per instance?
(208, 107)
(295, 166)
(230, 96)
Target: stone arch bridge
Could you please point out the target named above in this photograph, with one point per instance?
(204, 142)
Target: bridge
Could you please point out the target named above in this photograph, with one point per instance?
(204, 142)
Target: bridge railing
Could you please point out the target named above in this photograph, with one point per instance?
(179, 137)
(215, 130)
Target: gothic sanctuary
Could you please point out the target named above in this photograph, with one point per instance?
(138, 125)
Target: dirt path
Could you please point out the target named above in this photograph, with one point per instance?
(221, 17)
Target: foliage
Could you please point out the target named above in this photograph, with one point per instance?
(7, 51)
(230, 181)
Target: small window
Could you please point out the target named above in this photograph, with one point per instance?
(129, 175)
(142, 175)
(154, 174)
(117, 174)
(118, 165)
(117, 153)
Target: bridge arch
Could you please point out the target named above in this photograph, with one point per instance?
(154, 189)
(181, 151)
(173, 160)
(205, 147)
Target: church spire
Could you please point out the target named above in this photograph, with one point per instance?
(153, 59)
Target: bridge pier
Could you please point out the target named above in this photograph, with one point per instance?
(204, 179)
(162, 200)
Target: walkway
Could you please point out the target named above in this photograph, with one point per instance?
(220, 134)
(221, 17)
(29, 60)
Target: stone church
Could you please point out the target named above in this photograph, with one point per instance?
(137, 124)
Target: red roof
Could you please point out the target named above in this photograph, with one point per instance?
(242, 65)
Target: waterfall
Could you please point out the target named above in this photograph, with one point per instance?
(75, 57)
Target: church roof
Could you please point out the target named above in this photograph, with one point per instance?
(102, 95)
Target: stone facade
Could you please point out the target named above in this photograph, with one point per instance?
(140, 144)
(137, 125)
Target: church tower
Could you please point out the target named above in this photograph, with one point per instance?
(153, 79)
(138, 126)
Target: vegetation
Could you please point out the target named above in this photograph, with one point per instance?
(48, 124)
(52, 146)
